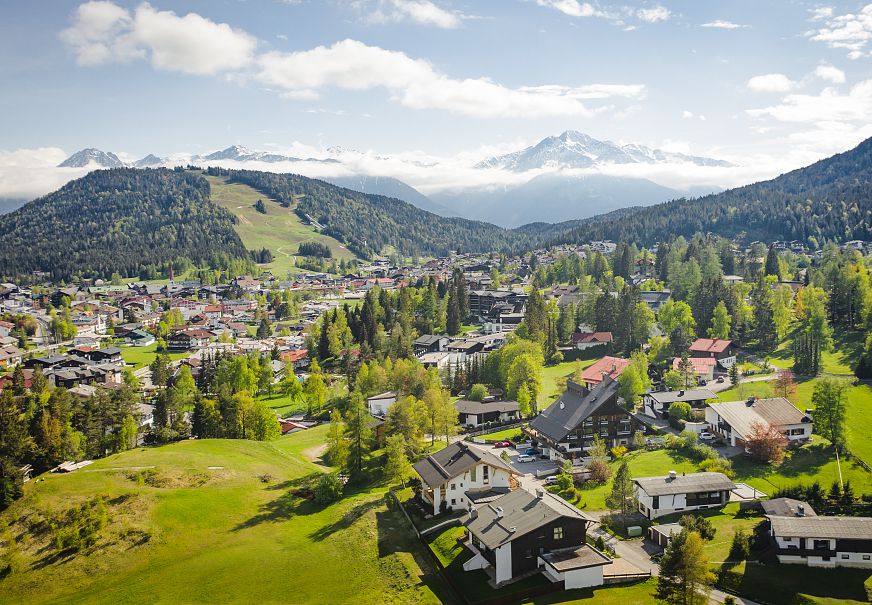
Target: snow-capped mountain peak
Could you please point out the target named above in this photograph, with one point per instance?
(573, 149)
(85, 157)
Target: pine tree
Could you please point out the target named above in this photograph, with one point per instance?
(622, 496)
(357, 420)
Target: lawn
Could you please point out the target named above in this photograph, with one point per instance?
(280, 229)
(143, 356)
(220, 522)
(841, 359)
(283, 404)
(795, 584)
(726, 522)
(503, 435)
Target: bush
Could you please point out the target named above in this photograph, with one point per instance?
(329, 489)
(702, 452)
(80, 527)
(618, 451)
(564, 482)
(600, 471)
(700, 525)
(717, 465)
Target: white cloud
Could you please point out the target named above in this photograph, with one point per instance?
(851, 31)
(721, 24)
(687, 114)
(26, 174)
(573, 8)
(414, 83)
(828, 106)
(103, 32)
(654, 15)
(820, 13)
(770, 83)
(422, 12)
(830, 74)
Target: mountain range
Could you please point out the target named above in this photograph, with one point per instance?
(168, 214)
(573, 149)
(555, 186)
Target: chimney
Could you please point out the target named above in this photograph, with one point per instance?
(540, 493)
(473, 513)
(672, 475)
(800, 510)
(751, 401)
(681, 393)
(499, 510)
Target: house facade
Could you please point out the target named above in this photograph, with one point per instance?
(474, 413)
(722, 351)
(566, 429)
(735, 420)
(822, 541)
(458, 475)
(523, 531)
(672, 493)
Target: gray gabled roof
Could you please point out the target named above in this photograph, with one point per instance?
(742, 415)
(787, 507)
(484, 407)
(845, 528)
(687, 395)
(455, 460)
(574, 406)
(691, 483)
(518, 513)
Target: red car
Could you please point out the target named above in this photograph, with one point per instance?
(502, 444)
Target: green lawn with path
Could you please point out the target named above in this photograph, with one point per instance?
(221, 521)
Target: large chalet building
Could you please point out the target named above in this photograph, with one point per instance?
(566, 429)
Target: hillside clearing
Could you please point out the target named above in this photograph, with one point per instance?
(183, 533)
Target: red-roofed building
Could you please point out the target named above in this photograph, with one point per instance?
(299, 358)
(613, 366)
(587, 340)
(703, 367)
(714, 348)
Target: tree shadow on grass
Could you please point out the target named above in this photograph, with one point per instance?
(296, 499)
(345, 521)
(395, 536)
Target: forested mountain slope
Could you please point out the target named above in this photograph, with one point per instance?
(829, 200)
(367, 223)
(117, 221)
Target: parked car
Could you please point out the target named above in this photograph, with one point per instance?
(502, 444)
(552, 480)
(531, 451)
(706, 436)
(720, 378)
(525, 458)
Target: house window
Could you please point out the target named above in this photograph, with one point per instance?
(529, 553)
(558, 533)
(473, 473)
(867, 557)
(655, 502)
(453, 486)
(845, 557)
(453, 501)
(485, 474)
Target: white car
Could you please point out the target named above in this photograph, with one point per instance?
(706, 436)
(525, 458)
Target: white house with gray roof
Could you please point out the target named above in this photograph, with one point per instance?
(807, 539)
(673, 493)
(462, 474)
(735, 420)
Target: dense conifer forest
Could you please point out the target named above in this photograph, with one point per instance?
(117, 221)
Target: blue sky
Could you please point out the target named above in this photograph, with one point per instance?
(769, 85)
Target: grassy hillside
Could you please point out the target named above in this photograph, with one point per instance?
(280, 229)
(217, 521)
